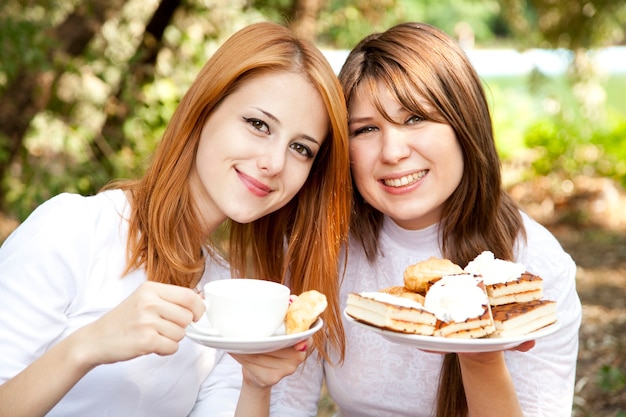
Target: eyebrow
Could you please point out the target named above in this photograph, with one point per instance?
(359, 119)
(275, 119)
(401, 111)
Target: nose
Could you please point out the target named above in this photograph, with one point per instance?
(395, 146)
(271, 160)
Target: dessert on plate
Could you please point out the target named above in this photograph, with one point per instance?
(490, 297)
(517, 319)
(304, 310)
(505, 281)
(461, 306)
(391, 312)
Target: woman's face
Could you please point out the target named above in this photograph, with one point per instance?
(257, 148)
(406, 169)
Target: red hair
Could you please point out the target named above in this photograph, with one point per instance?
(298, 244)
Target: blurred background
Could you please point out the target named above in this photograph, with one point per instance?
(87, 87)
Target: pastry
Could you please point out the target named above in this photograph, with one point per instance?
(489, 298)
(526, 287)
(505, 281)
(404, 292)
(304, 311)
(420, 276)
(391, 312)
(516, 319)
(461, 306)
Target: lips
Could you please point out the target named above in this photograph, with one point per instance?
(256, 187)
(404, 180)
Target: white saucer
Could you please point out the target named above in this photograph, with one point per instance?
(272, 343)
(444, 344)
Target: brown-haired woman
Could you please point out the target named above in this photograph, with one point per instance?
(427, 183)
(96, 292)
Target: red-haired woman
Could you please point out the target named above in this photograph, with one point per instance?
(96, 292)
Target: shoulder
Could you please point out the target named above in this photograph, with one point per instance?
(541, 251)
(68, 215)
(538, 237)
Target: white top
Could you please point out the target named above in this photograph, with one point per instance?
(60, 270)
(380, 378)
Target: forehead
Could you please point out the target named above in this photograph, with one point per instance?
(389, 99)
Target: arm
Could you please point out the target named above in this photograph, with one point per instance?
(537, 378)
(488, 385)
(62, 315)
(151, 320)
(50, 377)
(261, 373)
(298, 395)
(544, 377)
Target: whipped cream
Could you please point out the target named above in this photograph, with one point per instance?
(456, 298)
(384, 297)
(493, 270)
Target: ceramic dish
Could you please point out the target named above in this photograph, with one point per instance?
(277, 341)
(444, 344)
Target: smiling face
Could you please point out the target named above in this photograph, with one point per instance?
(257, 148)
(407, 168)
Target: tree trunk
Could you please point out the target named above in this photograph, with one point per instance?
(111, 138)
(30, 91)
(304, 18)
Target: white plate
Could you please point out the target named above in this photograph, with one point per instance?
(444, 344)
(272, 343)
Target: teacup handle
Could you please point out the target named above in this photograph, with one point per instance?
(204, 329)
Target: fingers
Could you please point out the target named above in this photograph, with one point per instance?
(303, 346)
(183, 297)
(526, 346)
(168, 310)
(264, 370)
(151, 320)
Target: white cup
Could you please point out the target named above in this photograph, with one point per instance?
(244, 308)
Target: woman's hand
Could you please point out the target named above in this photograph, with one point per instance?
(265, 370)
(151, 320)
(488, 384)
(261, 372)
(524, 347)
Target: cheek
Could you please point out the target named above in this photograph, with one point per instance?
(456, 163)
(296, 178)
(362, 161)
(362, 157)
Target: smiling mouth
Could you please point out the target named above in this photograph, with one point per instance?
(404, 181)
(256, 187)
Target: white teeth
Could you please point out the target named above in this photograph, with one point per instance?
(406, 180)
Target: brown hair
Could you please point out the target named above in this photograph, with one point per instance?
(302, 239)
(418, 61)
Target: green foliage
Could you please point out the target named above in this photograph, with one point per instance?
(344, 22)
(23, 45)
(611, 379)
(513, 110)
(58, 149)
(571, 24)
(24, 40)
(574, 148)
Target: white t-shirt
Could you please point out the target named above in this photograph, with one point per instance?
(60, 270)
(380, 378)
